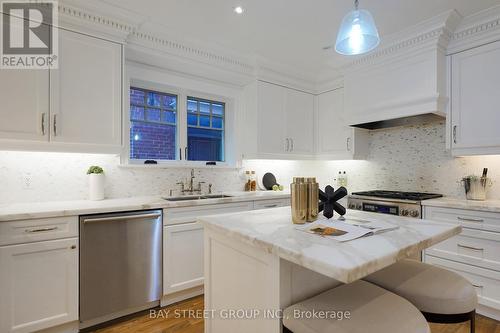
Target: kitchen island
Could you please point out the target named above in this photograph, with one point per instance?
(257, 263)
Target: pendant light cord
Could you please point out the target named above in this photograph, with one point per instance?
(356, 4)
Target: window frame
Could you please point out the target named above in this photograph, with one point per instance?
(181, 131)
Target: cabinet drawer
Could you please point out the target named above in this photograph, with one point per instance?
(264, 204)
(472, 219)
(486, 282)
(27, 231)
(475, 247)
(191, 214)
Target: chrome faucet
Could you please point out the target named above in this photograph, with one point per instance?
(191, 189)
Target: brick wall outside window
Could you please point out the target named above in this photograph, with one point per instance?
(152, 141)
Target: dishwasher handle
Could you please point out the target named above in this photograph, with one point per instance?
(121, 217)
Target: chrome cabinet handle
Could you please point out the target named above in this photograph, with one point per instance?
(54, 125)
(291, 147)
(348, 141)
(477, 286)
(469, 219)
(271, 206)
(43, 123)
(121, 218)
(287, 145)
(186, 153)
(455, 134)
(180, 154)
(470, 247)
(40, 230)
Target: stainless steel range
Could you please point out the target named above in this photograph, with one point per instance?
(390, 202)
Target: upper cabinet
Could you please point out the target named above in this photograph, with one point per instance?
(475, 101)
(86, 92)
(280, 121)
(334, 138)
(76, 107)
(25, 105)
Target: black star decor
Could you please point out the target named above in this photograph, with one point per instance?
(328, 201)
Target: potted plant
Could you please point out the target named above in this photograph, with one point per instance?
(96, 183)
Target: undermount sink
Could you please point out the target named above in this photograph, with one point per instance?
(198, 197)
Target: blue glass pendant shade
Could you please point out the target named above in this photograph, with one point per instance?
(358, 33)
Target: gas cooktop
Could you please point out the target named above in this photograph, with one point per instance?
(414, 196)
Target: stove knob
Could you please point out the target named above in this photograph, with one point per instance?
(352, 206)
(358, 207)
(404, 212)
(414, 213)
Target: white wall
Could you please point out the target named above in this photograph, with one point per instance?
(409, 158)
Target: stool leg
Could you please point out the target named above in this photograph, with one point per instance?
(473, 322)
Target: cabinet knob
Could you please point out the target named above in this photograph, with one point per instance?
(73, 247)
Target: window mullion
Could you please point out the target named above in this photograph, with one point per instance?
(182, 125)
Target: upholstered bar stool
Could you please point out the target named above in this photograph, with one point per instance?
(372, 309)
(441, 295)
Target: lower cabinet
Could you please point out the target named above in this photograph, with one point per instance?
(38, 285)
(182, 257)
(472, 254)
(183, 244)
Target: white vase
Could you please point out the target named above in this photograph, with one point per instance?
(96, 186)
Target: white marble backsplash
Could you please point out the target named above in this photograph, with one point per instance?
(409, 158)
(62, 176)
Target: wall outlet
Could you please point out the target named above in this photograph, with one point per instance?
(27, 181)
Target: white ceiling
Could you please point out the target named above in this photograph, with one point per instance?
(290, 32)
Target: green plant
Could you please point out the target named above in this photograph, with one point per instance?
(94, 169)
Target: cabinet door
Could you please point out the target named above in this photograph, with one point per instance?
(475, 101)
(24, 112)
(182, 257)
(334, 136)
(271, 121)
(38, 285)
(299, 114)
(86, 91)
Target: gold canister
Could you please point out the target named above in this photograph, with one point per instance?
(299, 200)
(312, 199)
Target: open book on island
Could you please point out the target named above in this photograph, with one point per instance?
(346, 229)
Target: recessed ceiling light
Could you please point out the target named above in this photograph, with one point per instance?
(238, 10)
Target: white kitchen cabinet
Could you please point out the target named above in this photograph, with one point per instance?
(285, 123)
(86, 92)
(475, 101)
(25, 105)
(473, 253)
(267, 204)
(334, 138)
(38, 285)
(299, 111)
(182, 257)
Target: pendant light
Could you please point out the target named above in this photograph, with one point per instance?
(358, 33)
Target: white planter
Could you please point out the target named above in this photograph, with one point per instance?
(96, 186)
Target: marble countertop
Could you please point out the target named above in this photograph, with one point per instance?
(273, 231)
(21, 211)
(486, 205)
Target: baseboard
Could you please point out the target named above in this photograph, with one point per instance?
(181, 295)
(488, 312)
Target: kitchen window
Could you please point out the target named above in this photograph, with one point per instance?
(205, 130)
(153, 125)
(164, 129)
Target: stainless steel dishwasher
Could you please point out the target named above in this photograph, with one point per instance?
(120, 264)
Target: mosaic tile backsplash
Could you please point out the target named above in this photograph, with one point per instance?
(409, 158)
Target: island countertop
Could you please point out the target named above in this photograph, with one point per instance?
(273, 231)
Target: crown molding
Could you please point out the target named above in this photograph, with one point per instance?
(436, 35)
(475, 30)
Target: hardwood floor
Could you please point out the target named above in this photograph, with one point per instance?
(174, 322)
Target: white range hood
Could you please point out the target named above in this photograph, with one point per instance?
(404, 81)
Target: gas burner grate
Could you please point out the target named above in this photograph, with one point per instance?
(415, 196)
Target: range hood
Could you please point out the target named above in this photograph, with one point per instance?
(404, 81)
(403, 121)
